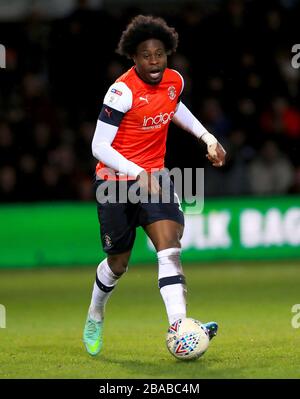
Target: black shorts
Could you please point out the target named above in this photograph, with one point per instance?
(119, 220)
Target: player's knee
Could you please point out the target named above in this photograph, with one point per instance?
(174, 242)
(169, 242)
(118, 264)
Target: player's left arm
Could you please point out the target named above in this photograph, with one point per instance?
(187, 121)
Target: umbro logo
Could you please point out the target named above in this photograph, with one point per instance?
(145, 99)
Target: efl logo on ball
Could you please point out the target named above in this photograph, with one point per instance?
(187, 339)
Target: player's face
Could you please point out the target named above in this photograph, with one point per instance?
(151, 60)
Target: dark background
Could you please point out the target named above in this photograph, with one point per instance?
(235, 57)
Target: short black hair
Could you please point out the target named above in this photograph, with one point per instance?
(144, 27)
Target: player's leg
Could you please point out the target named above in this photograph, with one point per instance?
(164, 224)
(165, 236)
(107, 275)
(117, 230)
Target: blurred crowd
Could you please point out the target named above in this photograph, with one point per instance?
(235, 58)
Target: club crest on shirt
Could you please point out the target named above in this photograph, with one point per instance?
(107, 240)
(172, 92)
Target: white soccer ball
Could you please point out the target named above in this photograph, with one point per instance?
(187, 339)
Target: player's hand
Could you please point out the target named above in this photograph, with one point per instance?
(148, 182)
(216, 154)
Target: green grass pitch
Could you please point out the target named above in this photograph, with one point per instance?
(252, 302)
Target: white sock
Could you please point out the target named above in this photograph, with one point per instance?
(103, 286)
(172, 283)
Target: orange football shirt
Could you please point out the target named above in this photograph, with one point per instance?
(142, 133)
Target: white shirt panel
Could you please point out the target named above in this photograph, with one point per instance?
(119, 97)
(181, 80)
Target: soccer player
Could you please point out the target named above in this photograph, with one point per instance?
(130, 144)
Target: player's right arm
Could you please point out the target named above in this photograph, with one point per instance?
(117, 102)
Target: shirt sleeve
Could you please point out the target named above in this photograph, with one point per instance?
(104, 152)
(119, 97)
(117, 101)
(182, 82)
(187, 121)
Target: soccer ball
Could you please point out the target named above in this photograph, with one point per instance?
(187, 339)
